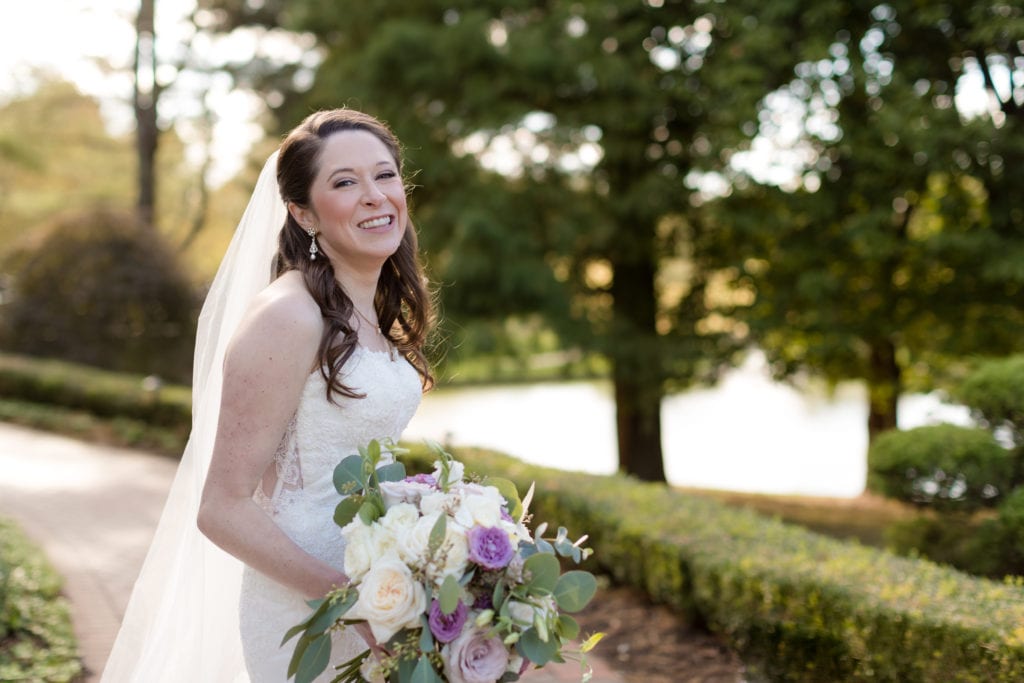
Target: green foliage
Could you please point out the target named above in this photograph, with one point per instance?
(994, 392)
(798, 606)
(99, 290)
(945, 466)
(36, 640)
(99, 392)
(891, 249)
(978, 544)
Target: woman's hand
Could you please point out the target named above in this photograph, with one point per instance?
(363, 629)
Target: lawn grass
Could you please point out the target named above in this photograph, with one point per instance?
(37, 642)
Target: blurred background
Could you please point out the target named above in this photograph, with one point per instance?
(722, 244)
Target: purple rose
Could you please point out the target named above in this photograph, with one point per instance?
(446, 627)
(490, 547)
(473, 657)
(423, 479)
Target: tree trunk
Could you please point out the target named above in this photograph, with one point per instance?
(884, 387)
(146, 94)
(637, 372)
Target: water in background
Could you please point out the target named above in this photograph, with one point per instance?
(746, 434)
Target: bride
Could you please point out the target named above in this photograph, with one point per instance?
(291, 375)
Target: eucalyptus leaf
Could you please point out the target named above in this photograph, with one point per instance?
(536, 650)
(437, 534)
(347, 510)
(426, 637)
(568, 628)
(394, 471)
(574, 590)
(449, 594)
(315, 659)
(498, 597)
(369, 512)
(348, 475)
(424, 672)
(542, 572)
(334, 612)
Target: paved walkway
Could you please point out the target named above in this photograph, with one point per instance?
(93, 509)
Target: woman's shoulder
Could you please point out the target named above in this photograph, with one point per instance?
(287, 301)
(283, 316)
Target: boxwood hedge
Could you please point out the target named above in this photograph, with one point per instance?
(798, 606)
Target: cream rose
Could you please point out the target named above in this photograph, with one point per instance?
(390, 599)
(360, 549)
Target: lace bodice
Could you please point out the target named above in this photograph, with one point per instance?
(301, 497)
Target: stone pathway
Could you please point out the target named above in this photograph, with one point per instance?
(93, 509)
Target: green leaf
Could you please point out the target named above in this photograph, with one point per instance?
(574, 590)
(369, 512)
(334, 612)
(426, 637)
(542, 571)
(348, 475)
(509, 492)
(373, 452)
(437, 534)
(498, 597)
(347, 510)
(449, 594)
(315, 659)
(568, 628)
(394, 471)
(536, 650)
(424, 672)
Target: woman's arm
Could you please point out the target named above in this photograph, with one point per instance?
(265, 368)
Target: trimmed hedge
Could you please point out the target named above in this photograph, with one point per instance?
(36, 639)
(796, 605)
(100, 392)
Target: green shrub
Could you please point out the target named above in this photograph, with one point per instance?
(970, 543)
(798, 606)
(946, 467)
(97, 289)
(100, 392)
(994, 392)
(36, 639)
(1011, 531)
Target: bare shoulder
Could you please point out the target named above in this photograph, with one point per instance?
(283, 321)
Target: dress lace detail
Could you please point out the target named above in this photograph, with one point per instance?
(287, 473)
(303, 497)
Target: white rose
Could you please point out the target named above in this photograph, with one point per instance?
(359, 549)
(401, 516)
(480, 509)
(385, 540)
(390, 599)
(395, 492)
(434, 503)
(451, 558)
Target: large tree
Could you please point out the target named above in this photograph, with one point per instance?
(599, 112)
(900, 242)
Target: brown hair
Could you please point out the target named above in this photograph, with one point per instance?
(402, 302)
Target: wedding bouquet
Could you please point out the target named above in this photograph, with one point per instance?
(447, 576)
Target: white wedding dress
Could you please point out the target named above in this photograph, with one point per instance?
(301, 497)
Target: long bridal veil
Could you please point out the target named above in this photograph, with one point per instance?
(181, 623)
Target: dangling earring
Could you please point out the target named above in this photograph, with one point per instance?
(311, 231)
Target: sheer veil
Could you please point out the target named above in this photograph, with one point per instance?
(181, 623)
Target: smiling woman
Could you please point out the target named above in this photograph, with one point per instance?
(290, 377)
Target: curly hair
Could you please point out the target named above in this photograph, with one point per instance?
(403, 302)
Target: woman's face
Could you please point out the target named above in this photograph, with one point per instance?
(358, 201)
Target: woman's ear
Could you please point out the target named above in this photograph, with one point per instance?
(303, 216)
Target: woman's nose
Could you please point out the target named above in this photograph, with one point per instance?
(373, 195)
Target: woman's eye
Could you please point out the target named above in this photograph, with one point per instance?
(344, 183)
(387, 175)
